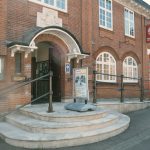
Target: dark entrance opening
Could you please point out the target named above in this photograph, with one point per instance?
(43, 61)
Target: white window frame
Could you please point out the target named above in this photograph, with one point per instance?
(130, 21)
(41, 2)
(106, 10)
(127, 66)
(109, 63)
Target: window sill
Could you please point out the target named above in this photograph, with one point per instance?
(48, 6)
(106, 29)
(130, 37)
(116, 83)
(131, 83)
(106, 83)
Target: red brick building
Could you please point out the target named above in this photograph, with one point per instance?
(108, 36)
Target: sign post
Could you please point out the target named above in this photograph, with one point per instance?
(80, 84)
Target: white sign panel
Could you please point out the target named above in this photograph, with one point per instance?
(67, 68)
(80, 82)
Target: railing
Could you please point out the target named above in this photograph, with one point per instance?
(22, 84)
(120, 86)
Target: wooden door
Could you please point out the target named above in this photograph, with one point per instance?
(41, 86)
(55, 66)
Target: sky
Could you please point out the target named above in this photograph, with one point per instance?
(147, 1)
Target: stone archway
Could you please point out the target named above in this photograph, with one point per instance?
(28, 43)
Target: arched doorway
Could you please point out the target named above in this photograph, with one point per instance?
(47, 57)
(53, 42)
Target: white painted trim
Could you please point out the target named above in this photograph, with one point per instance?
(74, 49)
(106, 10)
(109, 64)
(50, 6)
(134, 6)
(54, 29)
(129, 23)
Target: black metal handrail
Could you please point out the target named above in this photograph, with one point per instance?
(19, 85)
(22, 84)
(121, 84)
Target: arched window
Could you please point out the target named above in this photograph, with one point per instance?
(106, 64)
(130, 69)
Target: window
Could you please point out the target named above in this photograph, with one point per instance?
(17, 63)
(105, 14)
(1, 68)
(56, 4)
(106, 64)
(129, 22)
(130, 69)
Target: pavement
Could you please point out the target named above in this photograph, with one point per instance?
(136, 137)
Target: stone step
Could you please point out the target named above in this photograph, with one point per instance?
(22, 138)
(61, 115)
(34, 125)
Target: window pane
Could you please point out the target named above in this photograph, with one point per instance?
(105, 13)
(102, 17)
(108, 19)
(131, 29)
(131, 16)
(98, 68)
(129, 22)
(126, 27)
(50, 2)
(126, 14)
(130, 69)
(108, 4)
(125, 71)
(60, 4)
(130, 61)
(102, 3)
(106, 57)
(135, 73)
(134, 63)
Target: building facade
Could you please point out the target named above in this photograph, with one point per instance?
(37, 36)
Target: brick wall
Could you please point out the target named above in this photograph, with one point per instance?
(3, 16)
(82, 20)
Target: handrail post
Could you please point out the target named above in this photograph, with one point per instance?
(94, 87)
(50, 107)
(142, 90)
(122, 90)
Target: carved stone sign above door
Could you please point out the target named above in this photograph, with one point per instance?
(48, 17)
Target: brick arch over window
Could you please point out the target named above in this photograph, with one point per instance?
(106, 67)
(132, 54)
(106, 49)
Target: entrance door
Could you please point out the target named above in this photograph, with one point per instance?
(42, 86)
(55, 66)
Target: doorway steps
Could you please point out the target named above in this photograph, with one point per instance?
(33, 127)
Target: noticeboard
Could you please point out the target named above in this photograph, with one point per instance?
(80, 83)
